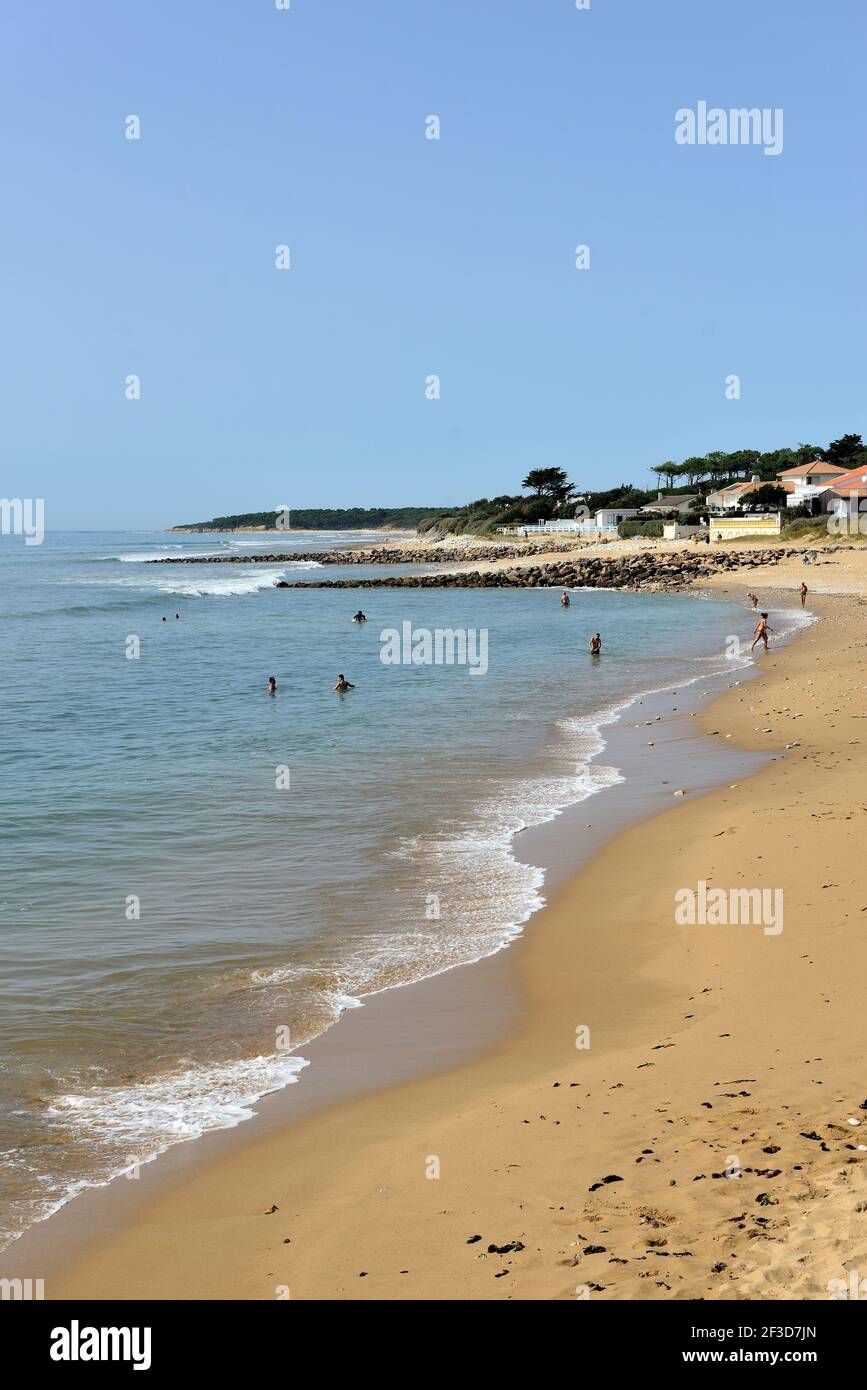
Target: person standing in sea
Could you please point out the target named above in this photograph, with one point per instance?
(761, 632)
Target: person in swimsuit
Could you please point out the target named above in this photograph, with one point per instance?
(359, 617)
(595, 644)
(343, 684)
(804, 592)
(564, 600)
(754, 599)
(761, 632)
(272, 685)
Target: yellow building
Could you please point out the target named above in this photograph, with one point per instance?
(727, 528)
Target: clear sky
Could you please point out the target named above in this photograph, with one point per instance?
(410, 256)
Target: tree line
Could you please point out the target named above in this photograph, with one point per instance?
(321, 519)
(553, 495)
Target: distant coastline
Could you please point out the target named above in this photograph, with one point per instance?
(318, 519)
(208, 530)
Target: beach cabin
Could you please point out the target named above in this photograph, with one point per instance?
(677, 531)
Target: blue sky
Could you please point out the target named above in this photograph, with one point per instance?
(410, 256)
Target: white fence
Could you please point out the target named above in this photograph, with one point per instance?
(543, 528)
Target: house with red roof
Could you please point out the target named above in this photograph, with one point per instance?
(854, 478)
(808, 480)
(845, 499)
(726, 499)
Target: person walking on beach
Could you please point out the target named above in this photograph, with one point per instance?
(761, 632)
(564, 600)
(754, 599)
(595, 644)
(343, 684)
(272, 685)
(804, 592)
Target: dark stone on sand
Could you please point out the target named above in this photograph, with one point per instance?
(644, 570)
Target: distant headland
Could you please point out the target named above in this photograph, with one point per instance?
(322, 519)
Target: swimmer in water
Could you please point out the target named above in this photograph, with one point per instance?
(343, 684)
(564, 600)
(359, 617)
(595, 644)
(272, 685)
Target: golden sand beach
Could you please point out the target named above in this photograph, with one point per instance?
(708, 1143)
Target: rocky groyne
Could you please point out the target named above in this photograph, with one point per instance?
(646, 570)
(378, 556)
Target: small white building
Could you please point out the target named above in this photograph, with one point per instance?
(609, 518)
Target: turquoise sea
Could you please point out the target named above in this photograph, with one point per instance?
(198, 878)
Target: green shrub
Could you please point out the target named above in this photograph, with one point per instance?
(648, 529)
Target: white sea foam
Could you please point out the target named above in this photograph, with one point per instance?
(165, 552)
(134, 1124)
(220, 581)
(174, 552)
(179, 1104)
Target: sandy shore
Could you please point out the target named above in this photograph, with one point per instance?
(712, 1050)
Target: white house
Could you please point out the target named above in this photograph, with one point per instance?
(808, 480)
(727, 499)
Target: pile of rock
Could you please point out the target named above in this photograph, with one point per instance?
(645, 570)
(382, 555)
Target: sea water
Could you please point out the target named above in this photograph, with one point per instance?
(198, 878)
